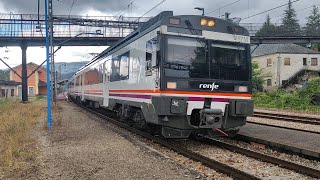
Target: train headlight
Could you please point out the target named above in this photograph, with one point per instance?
(171, 85)
(204, 22)
(211, 23)
(241, 88)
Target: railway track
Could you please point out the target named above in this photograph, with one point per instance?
(290, 118)
(211, 163)
(284, 127)
(266, 158)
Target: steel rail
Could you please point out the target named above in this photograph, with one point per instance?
(266, 158)
(283, 127)
(231, 171)
(290, 118)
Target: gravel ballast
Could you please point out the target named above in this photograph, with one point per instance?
(84, 147)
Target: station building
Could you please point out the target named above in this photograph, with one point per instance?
(9, 89)
(37, 83)
(285, 64)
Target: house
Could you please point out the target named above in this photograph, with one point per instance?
(285, 64)
(36, 82)
(9, 89)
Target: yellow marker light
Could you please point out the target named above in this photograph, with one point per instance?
(204, 22)
(171, 85)
(211, 23)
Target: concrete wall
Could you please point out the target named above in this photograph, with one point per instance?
(278, 72)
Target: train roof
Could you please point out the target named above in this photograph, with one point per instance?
(221, 25)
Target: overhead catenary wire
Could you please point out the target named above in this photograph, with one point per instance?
(130, 4)
(222, 7)
(150, 10)
(296, 11)
(74, 1)
(269, 10)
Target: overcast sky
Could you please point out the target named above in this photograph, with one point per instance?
(242, 9)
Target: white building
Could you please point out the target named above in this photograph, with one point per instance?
(9, 89)
(283, 64)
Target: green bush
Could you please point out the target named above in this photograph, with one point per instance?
(297, 100)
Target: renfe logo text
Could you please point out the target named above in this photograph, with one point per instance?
(212, 86)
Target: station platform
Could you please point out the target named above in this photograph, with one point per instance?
(304, 143)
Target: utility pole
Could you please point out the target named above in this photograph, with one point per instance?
(49, 115)
(53, 76)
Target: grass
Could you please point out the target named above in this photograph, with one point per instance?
(41, 97)
(295, 100)
(16, 144)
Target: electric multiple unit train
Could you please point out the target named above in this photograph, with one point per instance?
(183, 74)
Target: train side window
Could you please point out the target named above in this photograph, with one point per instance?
(124, 66)
(152, 55)
(148, 58)
(115, 74)
(108, 70)
(100, 73)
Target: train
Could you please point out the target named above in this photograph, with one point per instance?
(178, 75)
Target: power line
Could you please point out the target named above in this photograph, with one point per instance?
(130, 4)
(269, 10)
(296, 11)
(74, 1)
(150, 10)
(222, 7)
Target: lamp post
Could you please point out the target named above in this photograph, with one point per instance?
(200, 9)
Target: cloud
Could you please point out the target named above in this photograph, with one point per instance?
(242, 9)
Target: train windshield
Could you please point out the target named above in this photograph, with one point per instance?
(196, 58)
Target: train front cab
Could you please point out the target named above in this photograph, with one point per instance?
(205, 87)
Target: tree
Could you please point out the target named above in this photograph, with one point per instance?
(313, 24)
(4, 75)
(268, 29)
(257, 76)
(290, 25)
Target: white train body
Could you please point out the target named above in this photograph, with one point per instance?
(136, 76)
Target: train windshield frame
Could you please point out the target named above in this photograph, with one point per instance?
(195, 60)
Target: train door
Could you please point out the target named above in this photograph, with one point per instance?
(106, 82)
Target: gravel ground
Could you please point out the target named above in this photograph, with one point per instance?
(289, 112)
(84, 147)
(262, 149)
(297, 125)
(260, 169)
